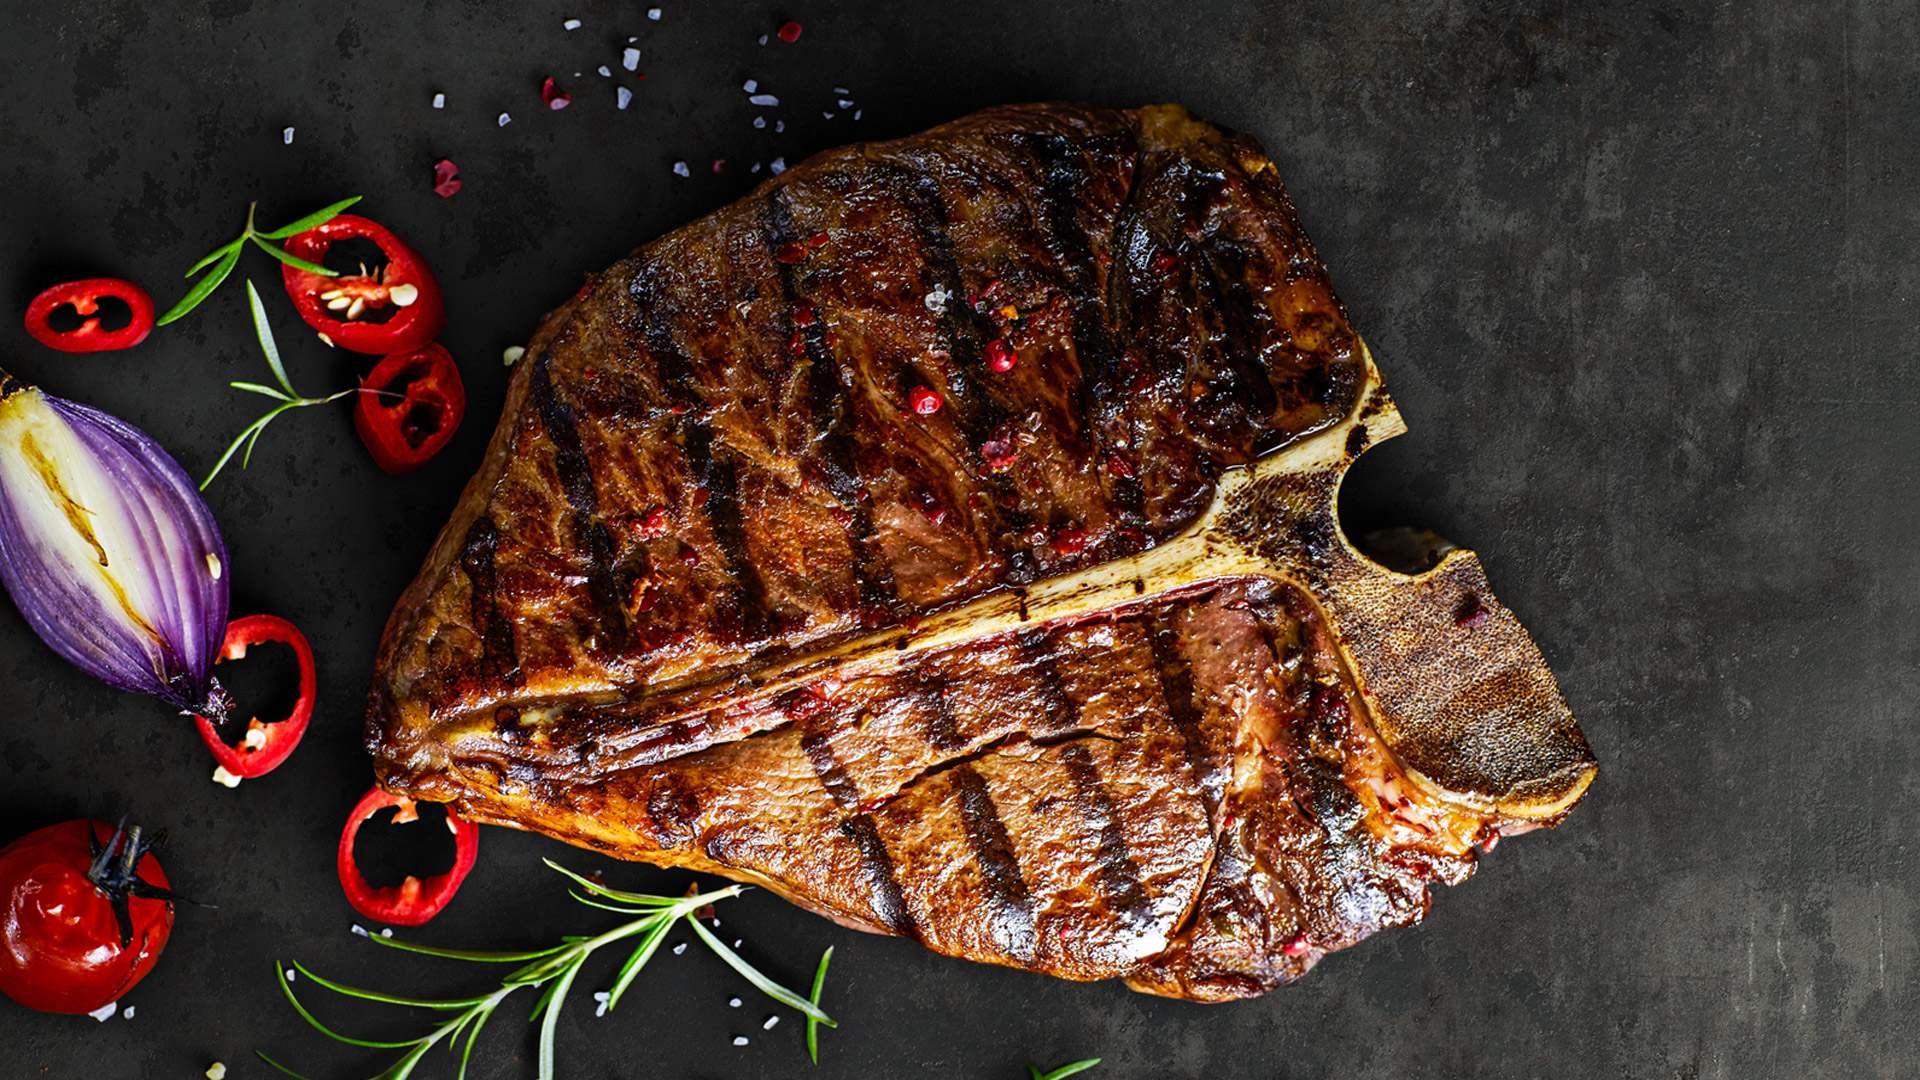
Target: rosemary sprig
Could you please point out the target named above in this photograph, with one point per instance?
(1064, 1071)
(813, 1026)
(553, 970)
(286, 395)
(223, 258)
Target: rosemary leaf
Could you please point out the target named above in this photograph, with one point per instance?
(311, 221)
(263, 1057)
(466, 954)
(389, 999)
(752, 974)
(264, 331)
(293, 260)
(641, 954)
(212, 257)
(552, 1019)
(1064, 1071)
(202, 287)
(813, 1026)
(258, 389)
(287, 989)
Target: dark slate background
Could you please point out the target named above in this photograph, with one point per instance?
(1640, 275)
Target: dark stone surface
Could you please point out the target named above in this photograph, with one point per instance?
(1641, 277)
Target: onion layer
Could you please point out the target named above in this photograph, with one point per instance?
(109, 551)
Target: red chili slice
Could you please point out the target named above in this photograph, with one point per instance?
(413, 901)
(258, 758)
(406, 282)
(409, 407)
(84, 297)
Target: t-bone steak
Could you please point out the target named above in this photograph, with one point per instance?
(944, 538)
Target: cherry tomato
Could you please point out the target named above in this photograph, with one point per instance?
(78, 925)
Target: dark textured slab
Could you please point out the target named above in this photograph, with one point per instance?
(1643, 280)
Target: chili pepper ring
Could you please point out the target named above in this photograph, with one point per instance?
(260, 754)
(413, 901)
(84, 297)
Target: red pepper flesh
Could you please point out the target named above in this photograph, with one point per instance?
(413, 901)
(420, 314)
(84, 297)
(278, 738)
(409, 407)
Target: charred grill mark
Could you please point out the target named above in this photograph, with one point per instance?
(1059, 711)
(1064, 178)
(1012, 915)
(1241, 331)
(1176, 682)
(837, 446)
(888, 902)
(576, 478)
(943, 727)
(675, 371)
(1119, 877)
(723, 513)
(496, 632)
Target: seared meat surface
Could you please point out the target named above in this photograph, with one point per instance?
(883, 539)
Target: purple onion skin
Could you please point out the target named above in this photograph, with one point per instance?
(109, 550)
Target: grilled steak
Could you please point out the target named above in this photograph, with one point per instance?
(943, 537)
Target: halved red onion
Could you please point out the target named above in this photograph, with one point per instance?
(109, 551)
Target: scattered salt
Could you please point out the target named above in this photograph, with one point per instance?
(759, 121)
(841, 90)
(750, 85)
(439, 101)
(600, 1009)
(779, 125)
(386, 931)
(739, 1040)
(715, 922)
(505, 119)
(779, 164)
(606, 72)
(737, 943)
(763, 39)
(828, 115)
(287, 136)
(680, 169)
(129, 1013)
(623, 97)
(290, 974)
(105, 1012)
(570, 24)
(768, 1026)
(764, 99)
(654, 14)
(361, 930)
(630, 59)
(680, 948)
(845, 104)
(735, 1002)
(756, 167)
(600, 995)
(857, 112)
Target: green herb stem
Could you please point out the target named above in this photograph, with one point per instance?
(224, 257)
(554, 972)
(286, 395)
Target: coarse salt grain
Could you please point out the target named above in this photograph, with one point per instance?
(622, 97)
(654, 14)
(129, 1013)
(505, 119)
(936, 300)
(844, 103)
(605, 71)
(857, 112)
(361, 930)
(759, 121)
(439, 101)
(735, 1002)
(756, 167)
(739, 1040)
(841, 90)
(750, 85)
(763, 99)
(768, 1026)
(570, 24)
(105, 1012)
(763, 39)
(630, 59)
(287, 136)
(290, 974)
(779, 164)
(737, 943)
(680, 169)
(386, 931)
(828, 115)
(680, 948)
(779, 125)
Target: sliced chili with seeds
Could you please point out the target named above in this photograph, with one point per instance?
(413, 901)
(406, 282)
(266, 745)
(84, 297)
